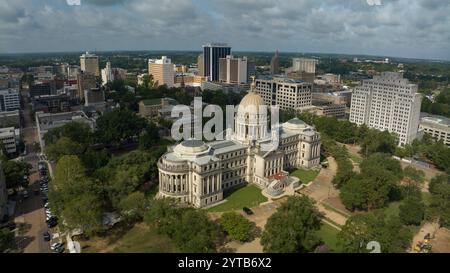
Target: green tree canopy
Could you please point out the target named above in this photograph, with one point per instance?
(76, 131)
(7, 242)
(236, 226)
(412, 211)
(119, 125)
(361, 229)
(293, 227)
(63, 146)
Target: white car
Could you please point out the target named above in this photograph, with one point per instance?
(56, 245)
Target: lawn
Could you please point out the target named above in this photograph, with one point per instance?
(249, 196)
(144, 239)
(305, 176)
(137, 239)
(328, 235)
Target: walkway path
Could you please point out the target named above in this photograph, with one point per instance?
(326, 195)
(321, 190)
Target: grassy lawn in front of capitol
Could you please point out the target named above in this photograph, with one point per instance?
(139, 238)
(328, 235)
(249, 196)
(305, 176)
(144, 239)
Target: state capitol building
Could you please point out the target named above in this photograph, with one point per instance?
(197, 173)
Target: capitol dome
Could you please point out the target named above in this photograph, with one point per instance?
(295, 124)
(252, 98)
(191, 147)
(251, 121)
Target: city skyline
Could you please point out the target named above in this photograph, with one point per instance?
(392, 29)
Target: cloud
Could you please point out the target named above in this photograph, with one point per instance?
(398, 27)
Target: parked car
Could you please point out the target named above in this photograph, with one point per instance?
(47, 236)
(56, 245)
(52, 223)
(59, 249)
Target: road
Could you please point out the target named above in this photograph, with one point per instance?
(31, 211)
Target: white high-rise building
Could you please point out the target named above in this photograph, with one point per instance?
(9, 100)
(286, 93)
(107, 74)
(304, 65)
(233, 70)
(162, 71)
(388, 102)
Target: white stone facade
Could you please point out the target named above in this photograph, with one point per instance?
(388, 102)
(197, 173)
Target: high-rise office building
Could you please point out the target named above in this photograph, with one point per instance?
(275, 64)
(212, 53)
(304, 65)
(107, 74)
(286, 93)
(251, 70)
(89, 64)
(162, 71)
(200, 65)
(9, 100)
(388, 102)
(86, 81)
(233, 70)
(73, 71)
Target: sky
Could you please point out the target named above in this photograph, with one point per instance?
(397, 28)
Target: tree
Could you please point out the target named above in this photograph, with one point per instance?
(93, 160)
(236, 226)
(133, 206)
(361, 229)
(83, 212)
(7, 242)
(378, 142)
(375, 186)
(118, 126)
(149, 138)
(412, 211)
(190, 229)
(74, 197)
(76, 131)
(440, 200)
(125, 174)
(63, 146)
(293, 227)
(148, 81)
(195, 232)
(162, 214)
(14, 172)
